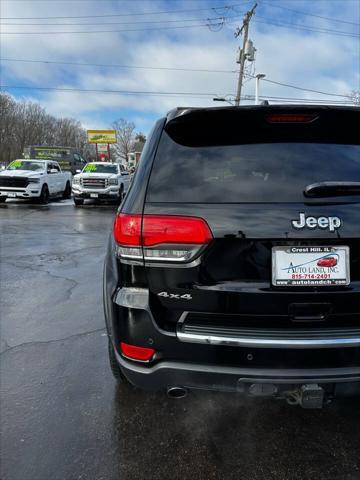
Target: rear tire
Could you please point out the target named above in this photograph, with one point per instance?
(67, 191)
(44, 195)
(115, 369)
(78, 201)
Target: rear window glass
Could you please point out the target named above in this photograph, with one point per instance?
(264, 172)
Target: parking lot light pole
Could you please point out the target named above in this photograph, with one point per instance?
(259, 76)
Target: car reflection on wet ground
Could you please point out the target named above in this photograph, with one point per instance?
(62, 414)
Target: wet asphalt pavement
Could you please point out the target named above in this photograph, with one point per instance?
(63, 416)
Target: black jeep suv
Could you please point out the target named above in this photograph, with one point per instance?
(234, 261)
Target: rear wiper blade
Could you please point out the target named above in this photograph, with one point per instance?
(332, 189)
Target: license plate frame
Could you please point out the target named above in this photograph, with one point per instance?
(297, 266)
(94, 195)
(11, 195)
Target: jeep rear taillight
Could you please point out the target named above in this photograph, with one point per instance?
(127, 230)
(165, 238)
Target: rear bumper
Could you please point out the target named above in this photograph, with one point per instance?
(168, 374)
(221, 366)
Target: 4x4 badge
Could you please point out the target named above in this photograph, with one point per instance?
(175, 296)
(332, 223)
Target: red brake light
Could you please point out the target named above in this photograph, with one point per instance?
(290, 117)
(159, 229)
(127, 229)
(165, 238)
(142, 354)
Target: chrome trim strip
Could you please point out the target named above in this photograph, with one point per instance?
(238, 341)
(268, 342)
(256, 342)
(128, 261)
(168, 264)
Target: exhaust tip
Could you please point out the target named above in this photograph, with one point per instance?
(177, 392)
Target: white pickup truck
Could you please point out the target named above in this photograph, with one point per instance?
(37, 179)
(101, 181)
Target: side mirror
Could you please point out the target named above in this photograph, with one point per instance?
(124, 173)
(78, 171)
(53, 170)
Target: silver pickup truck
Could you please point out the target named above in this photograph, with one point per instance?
(100, 181)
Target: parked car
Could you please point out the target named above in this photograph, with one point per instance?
(69, 158)
(234, 261)
(102, 181)
(34, 179)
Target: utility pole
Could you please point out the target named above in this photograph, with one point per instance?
(245, 29)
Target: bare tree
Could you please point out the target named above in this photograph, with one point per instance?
(125, 132)
(8, 118)
(25, 123)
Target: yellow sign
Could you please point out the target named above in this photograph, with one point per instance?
(101, 136)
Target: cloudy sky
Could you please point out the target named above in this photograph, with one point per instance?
(182, 52)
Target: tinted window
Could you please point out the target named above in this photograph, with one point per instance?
(267, 172)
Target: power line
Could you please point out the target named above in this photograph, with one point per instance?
(219, 22)
(181, 69)
(208, 25)
(220, 7)
(309, 14)
(291, 26)
(304, 100)
(123, 92)
(300, 88)
(126, 23)
(177, 94)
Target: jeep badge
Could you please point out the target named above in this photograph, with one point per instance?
(332, 223)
